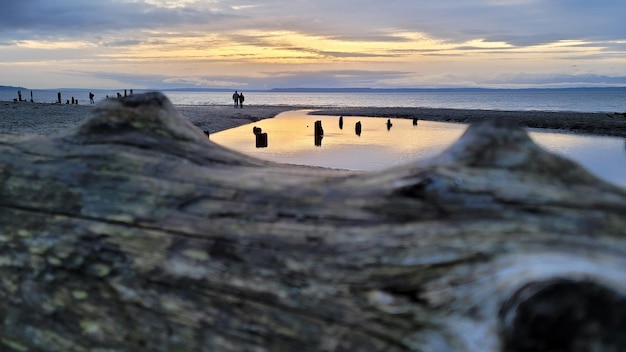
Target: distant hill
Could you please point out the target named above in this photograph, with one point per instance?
(418, 90)
(11, 88)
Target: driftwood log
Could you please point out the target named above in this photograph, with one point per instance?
(134, 232)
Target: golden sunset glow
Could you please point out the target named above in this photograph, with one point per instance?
(485, 43)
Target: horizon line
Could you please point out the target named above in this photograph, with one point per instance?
(322, 89)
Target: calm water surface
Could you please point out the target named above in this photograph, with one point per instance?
(587, 100)
(291, 139)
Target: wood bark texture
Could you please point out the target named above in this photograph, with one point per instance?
(134, 232)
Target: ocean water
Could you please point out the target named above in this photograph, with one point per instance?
(544, 100)
(581, 100)
(291, 139)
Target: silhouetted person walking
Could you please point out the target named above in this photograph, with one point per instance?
(241, 99)
(91, 96)
(236, 98)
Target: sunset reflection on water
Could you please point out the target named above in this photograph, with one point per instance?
(291, 140)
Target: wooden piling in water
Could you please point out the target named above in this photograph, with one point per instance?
(261, 140)
(319, 131)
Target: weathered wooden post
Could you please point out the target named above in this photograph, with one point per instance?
(260, 136)
(341, 122)
(317, 140)
(357, 128)
(415, 121)
(31, 97)
(319, 131)
(318, 134)
(72, 100)
(261, 140)
(19, 95)
(59, 98)
(389, 124)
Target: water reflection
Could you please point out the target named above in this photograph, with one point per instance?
(600, 155)
(368, 147)
(384, 147)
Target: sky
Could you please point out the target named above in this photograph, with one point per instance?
(246, 44)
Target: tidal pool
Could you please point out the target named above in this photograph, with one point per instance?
(291, 139)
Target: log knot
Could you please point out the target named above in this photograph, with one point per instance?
(564, 315)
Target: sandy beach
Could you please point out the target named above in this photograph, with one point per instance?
(19, 118)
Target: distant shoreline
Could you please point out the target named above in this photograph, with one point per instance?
(47, 118)
(328, 90)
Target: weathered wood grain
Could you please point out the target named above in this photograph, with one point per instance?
(135, 232)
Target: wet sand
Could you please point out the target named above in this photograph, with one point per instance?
(578, 122)
(19, 118)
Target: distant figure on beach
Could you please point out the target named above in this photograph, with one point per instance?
(241, 99)
(236, 98)
(91, 96)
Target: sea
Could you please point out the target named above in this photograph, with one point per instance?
(607, 100)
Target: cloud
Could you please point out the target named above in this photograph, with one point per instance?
(37, 19)
(517, 22)
(202, 82)
(270, 79)
(587, 80)
(315, 43)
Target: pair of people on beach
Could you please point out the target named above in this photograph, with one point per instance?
(238, 99)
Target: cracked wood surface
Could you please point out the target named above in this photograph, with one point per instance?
(133, 231)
